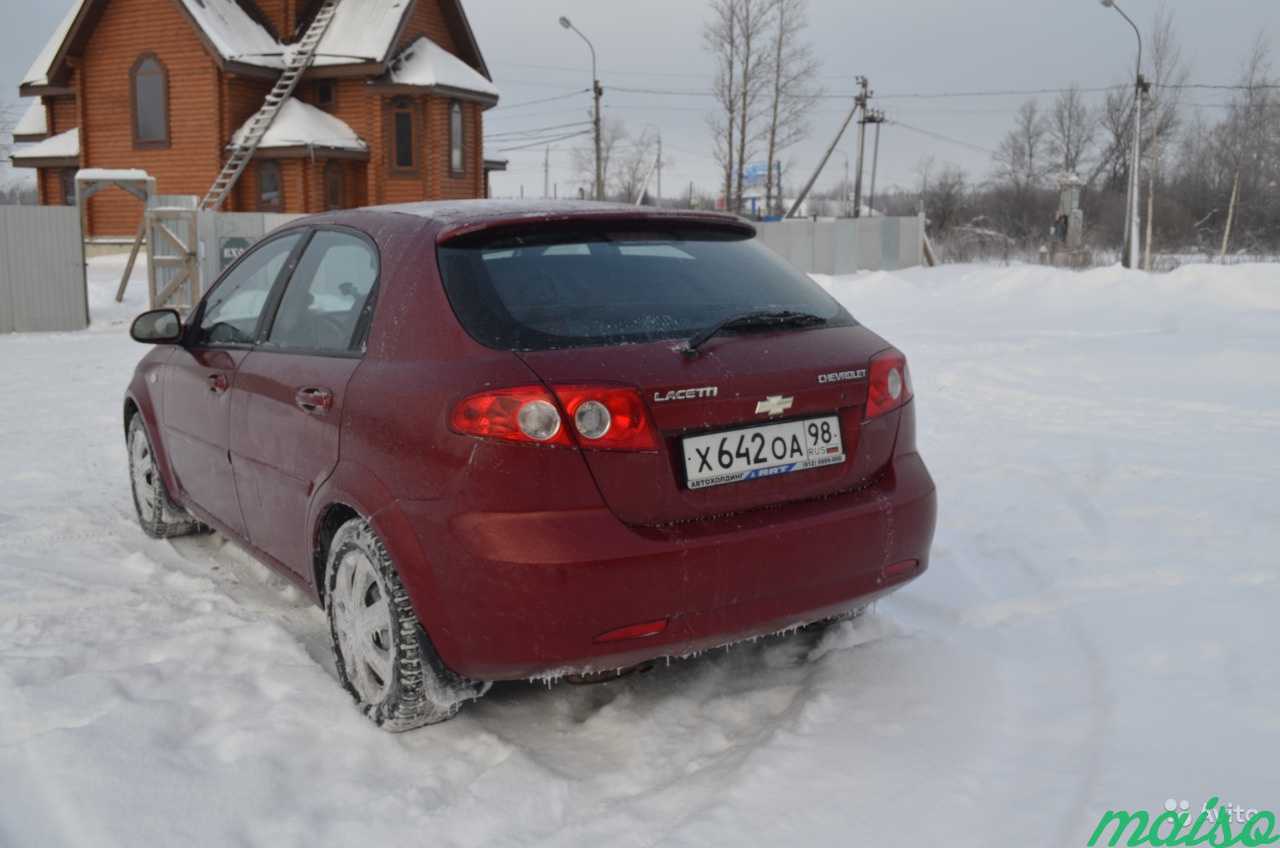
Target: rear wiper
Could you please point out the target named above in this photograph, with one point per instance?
(763, 318)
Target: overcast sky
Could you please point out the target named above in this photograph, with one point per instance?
(903, 46)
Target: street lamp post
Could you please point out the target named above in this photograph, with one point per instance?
(1133, 212)
(598, 92)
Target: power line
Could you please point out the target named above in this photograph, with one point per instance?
(544, 142)
(523, 103)
(941, 137)
(533, 131)
(948, 95)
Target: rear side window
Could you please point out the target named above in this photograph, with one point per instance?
(327, 296)
(548, 288)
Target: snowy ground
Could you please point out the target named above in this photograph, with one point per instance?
(1098, 629)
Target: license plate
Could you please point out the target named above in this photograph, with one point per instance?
(769, 450)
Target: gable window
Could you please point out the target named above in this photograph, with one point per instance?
(324, 93)
(149, 82)
(457, 157)
(270, 190)
(333, 188)
(403, 137)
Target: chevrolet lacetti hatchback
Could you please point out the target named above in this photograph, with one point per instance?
(504, 441)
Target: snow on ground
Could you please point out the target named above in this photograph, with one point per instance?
(1097, 631)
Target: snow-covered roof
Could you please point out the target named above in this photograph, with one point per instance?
(427, 64)
(104, 174)
(236, 36)
(42, 67)
(361, 32)
(34, 121)
(62, 146)
(301, 125)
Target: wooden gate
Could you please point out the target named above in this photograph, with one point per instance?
(173, 274)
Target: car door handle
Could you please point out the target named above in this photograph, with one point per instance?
(314, 401)
(218, 383)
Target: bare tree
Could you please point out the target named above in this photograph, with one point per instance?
(753, 64)
(1072, 130)
(1022, 163)
(720, 35)
(635, 162)
(792, 71)
(1022, 158)
(1170, 73)
(946, 198)
(613, 134)
(1245, 130)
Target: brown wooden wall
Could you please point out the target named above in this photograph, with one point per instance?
(427, 19)
(283, 15)
(207, 106)
(127, 30)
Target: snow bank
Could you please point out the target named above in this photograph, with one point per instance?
(1096, 632)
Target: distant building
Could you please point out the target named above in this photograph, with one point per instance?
(392, 109)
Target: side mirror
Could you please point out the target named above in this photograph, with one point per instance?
(159, 326)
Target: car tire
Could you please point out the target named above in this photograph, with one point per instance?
(384, 657)
(158, 515)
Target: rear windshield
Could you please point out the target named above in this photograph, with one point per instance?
(586, 286)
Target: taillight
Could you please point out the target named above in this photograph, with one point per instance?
(608, 418)
(600, 417)
(889, 384)
(526, 414)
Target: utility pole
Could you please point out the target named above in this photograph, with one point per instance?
(659, 169)
(858, 103)
(875, 162)
(598, 92)
(863, 98)
(1132, 223)
(546, 173)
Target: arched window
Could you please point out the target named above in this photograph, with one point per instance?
(270, 190)
(149, 82)
(333, 185)
(457, 157)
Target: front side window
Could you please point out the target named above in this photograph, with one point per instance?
(270, 191)
(457, 157)
(327, 296)
(550, 287)
(402, 139)
(150, 83)
(234, 306)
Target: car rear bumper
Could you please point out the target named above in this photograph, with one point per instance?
(512, 596)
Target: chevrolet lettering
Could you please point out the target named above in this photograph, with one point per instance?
(842, 376)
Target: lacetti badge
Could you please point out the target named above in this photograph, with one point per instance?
(774, 405)
(686, 394)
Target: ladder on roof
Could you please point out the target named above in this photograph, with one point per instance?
(299, 59)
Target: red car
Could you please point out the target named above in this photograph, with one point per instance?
(503, 441)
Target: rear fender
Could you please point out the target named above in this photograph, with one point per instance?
(355, 486)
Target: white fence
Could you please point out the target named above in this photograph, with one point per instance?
(223, 236)
(42, 286)
(846, 245)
